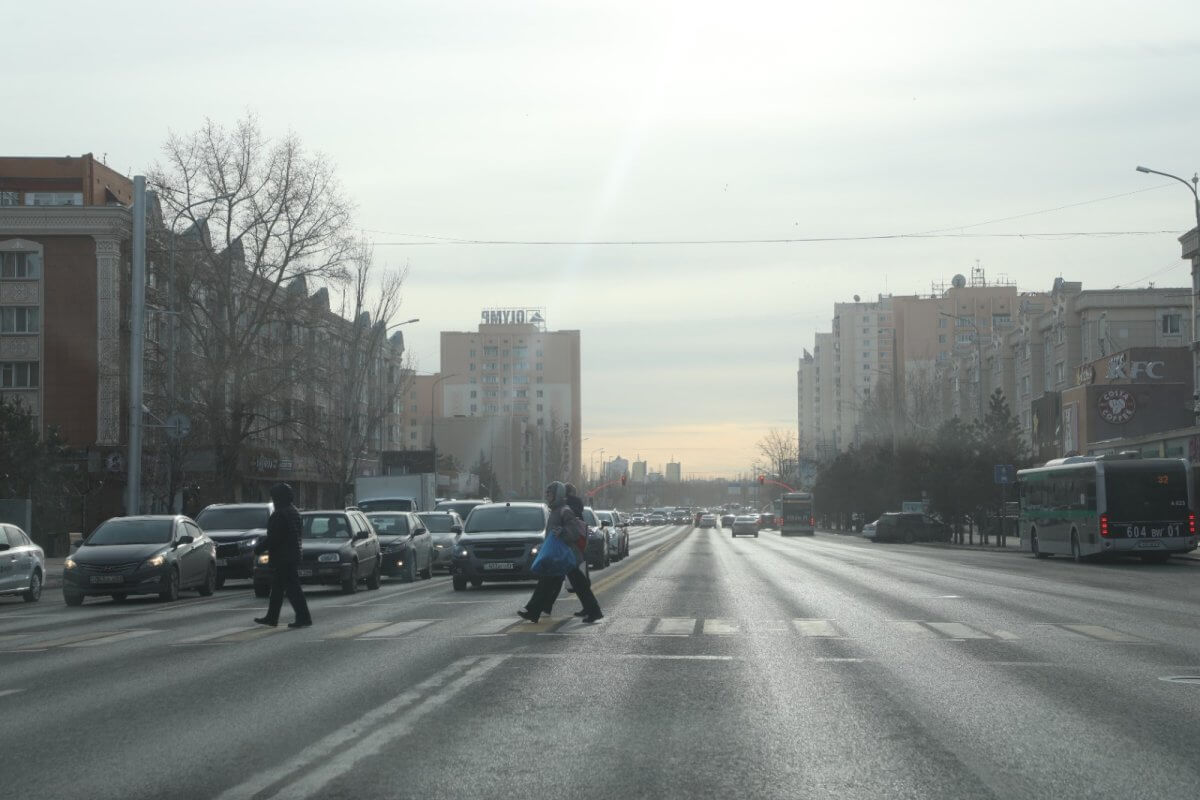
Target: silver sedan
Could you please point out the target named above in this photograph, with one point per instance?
(22, 564)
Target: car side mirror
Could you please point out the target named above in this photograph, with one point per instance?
(456, 530)
(4, 546)
(605, 524)
(185, 539)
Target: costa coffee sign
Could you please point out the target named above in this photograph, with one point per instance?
(1116, 406)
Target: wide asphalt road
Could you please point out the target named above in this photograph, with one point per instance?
(750, 668)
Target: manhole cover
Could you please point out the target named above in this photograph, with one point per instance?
(1191, 679)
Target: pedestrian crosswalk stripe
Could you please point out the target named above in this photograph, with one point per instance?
(356, 630)
(627, 626)
(574, 626)
(814, 627)
(957, 630)
(914, 628)
(63, 641)
(1102, 633)
(720, 626)
(398, 629)
(241, 633)
(116, 637)
(676, 626)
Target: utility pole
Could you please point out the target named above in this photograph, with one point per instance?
(137, 323)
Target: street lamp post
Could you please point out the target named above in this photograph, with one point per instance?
(1193, 186)
(432, 422)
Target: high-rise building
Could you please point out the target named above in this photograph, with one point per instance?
(616, 468)
(674, 472)
(511, 369)
(638, 472)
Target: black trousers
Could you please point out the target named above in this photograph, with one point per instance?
(286, 581)
(548, 588)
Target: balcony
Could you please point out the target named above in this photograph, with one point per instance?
(1190, 242)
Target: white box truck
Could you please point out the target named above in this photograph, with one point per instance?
(413, 492)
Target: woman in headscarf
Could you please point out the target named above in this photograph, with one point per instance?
(564, 524)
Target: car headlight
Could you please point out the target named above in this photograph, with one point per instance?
(327, 558)
(264, 559)
(533, 551)
(248, 544)
(439, 547)
(69, 564)
(156, 561)
(462, 552)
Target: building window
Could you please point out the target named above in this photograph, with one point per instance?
(19, 375)
(1170, 323)
(522, 366)
(1024, 385)
(10, 198)
(472, 354)
(1060, 372)
(19, 319)
(520, 352)
(941, 322)
(21, 266)
(520, 379)
(490, 408)
(964, 338)
(474, 408)
(539, 352)
(539, 408)
(473, 394)
(491, 379)
(412, 436)
(491, 352)
(941, 338)
(1001, 320)
(472, 368)
(539, 392)
(54, 198)
(491, 393)
(521, 393)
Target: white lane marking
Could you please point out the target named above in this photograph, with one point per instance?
(404, 592)
(814, 627)
(45, 644)
(625, 656)
(676, 626)
(1102, 633)
(492, 627)
(226, 632)
(957, 630)
(914, 628)
(356, 630)
(118, 637)
(7, 692)
(399, 717)
(1007, 636)
(720, 627)
(577, 627)
(628, 625)
(399, 629)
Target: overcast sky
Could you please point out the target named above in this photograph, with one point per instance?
(570, 120)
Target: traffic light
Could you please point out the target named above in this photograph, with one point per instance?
(762, 479)
(623, 479)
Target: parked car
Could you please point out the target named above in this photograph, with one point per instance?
(154, 554)
(338, 548)
(235, 528)
(617, 531)
(908, 528)
(745, 524)
(22, 564)
(405, 543)
(499, 543)
(727, 520)
(708, 521)
(868, 530)
(444, 527)
(596, 554)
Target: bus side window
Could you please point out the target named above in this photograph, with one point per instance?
(1090, 493)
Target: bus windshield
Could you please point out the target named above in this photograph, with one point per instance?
(1146, 495)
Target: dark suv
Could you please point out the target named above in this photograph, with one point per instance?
(499, 543)
(236, 529)
(908, 528)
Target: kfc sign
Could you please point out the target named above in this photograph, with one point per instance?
(1117, 406)
(1121, 369)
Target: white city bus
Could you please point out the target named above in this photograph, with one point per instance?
(1086, 506)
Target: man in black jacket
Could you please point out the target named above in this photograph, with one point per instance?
(283, 544)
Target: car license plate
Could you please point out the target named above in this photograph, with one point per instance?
(304, 573)
(221, 562)
(1149, 544)
(108, 579)
(499, 565)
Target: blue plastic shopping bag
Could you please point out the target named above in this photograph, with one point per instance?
(554, 558)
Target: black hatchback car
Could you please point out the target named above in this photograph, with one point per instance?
(908, 528)
(338, 548)
(236, 528)
(157, 554)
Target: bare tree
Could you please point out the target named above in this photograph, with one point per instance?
(780, 449)
(261, 215)
(556, 451)
(362, 375)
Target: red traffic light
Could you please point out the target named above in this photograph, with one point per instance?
(623, 479)
(762, 479)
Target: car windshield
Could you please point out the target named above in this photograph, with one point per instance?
(461, 507)
(386, 504)
(604, 516)
(504, 519)
(437, 523)
(390, 524)
(589, 517)
(132, 531)
(233, 519)
(326, 526)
